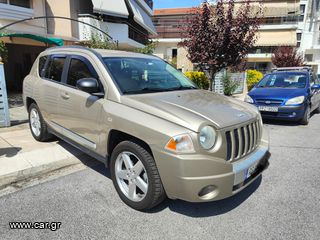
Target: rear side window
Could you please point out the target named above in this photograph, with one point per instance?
(42, 63)
(77, 70)
(55, 68)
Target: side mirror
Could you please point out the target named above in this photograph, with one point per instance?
(88, 85)
(315, 87)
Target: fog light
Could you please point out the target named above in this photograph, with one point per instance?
(208, 192)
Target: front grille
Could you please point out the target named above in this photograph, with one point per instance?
(269, 102)
(242, 140)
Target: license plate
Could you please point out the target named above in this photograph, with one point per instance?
(268, 109)
(251, 170)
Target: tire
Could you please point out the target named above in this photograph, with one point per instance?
(306, 117)
(125, 174)
(37, 125)
(317, 109)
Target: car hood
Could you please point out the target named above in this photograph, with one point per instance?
(273, 93)
(193, 108)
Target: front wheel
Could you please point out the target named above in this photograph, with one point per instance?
(306, 117)
(135, 176)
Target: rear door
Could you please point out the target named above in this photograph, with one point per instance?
(79, 112)
(50, 70)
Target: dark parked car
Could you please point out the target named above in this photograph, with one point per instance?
(288, 94)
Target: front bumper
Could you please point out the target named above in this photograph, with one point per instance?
(198, 178)
(293, 113)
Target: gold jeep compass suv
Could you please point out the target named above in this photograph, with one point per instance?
(158, 133)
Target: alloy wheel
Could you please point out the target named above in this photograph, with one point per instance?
(35, 122)
(131, 176)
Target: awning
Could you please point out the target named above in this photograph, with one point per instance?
(142, 18)
(115, 8)
(275, 9)
(54, 41)
(277, 38)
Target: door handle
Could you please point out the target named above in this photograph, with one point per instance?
(65, 95)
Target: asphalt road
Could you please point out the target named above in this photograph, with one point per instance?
(283, 204)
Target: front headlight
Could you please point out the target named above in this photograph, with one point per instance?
(207, 137)
(296, 100)
(180, 144)
(248, 99)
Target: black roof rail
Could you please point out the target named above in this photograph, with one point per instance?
(286, 69)
(77, 47)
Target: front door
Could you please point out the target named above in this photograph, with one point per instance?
(79, 112)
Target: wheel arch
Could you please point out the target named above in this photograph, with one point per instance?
(115, 137)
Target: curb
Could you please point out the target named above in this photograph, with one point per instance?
(35, 163)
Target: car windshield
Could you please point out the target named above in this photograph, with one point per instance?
(284, 80)
(145, 75)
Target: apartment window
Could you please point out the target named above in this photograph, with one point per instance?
(19, 3)
(309, 57)
(174, 53)
(302, 9)
(302, 12)
(299, 35)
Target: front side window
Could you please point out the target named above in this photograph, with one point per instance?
(144, 75)
(78, 70)
(55, 68)
(284, 80)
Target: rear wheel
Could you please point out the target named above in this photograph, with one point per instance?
(135, 176)
(306, 117)
(37, 125)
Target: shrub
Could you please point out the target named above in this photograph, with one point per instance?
(199, 78)
(229, 86)
(3, 52)
(253, 77)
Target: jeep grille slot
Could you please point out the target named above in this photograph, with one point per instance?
(242, 140)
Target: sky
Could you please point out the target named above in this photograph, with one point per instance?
(175, 3)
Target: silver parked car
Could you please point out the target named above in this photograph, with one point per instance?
(157, 132)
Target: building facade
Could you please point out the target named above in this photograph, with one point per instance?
(308, 33)
(279, 27)
(128, 23)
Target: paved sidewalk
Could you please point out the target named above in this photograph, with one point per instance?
(22, 157)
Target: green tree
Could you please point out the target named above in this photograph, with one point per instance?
(148, 48)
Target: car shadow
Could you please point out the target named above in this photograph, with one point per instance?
(208, 209)
(280, 122)
(284, 122)
(196, 210)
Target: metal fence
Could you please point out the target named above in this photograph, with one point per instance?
(4, 108)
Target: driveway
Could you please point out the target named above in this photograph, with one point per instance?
(283, 204)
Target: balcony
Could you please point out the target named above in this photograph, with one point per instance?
(118, 31)
(11, 12)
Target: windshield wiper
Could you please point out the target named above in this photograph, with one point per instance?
(145, 90)
(181, 88)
